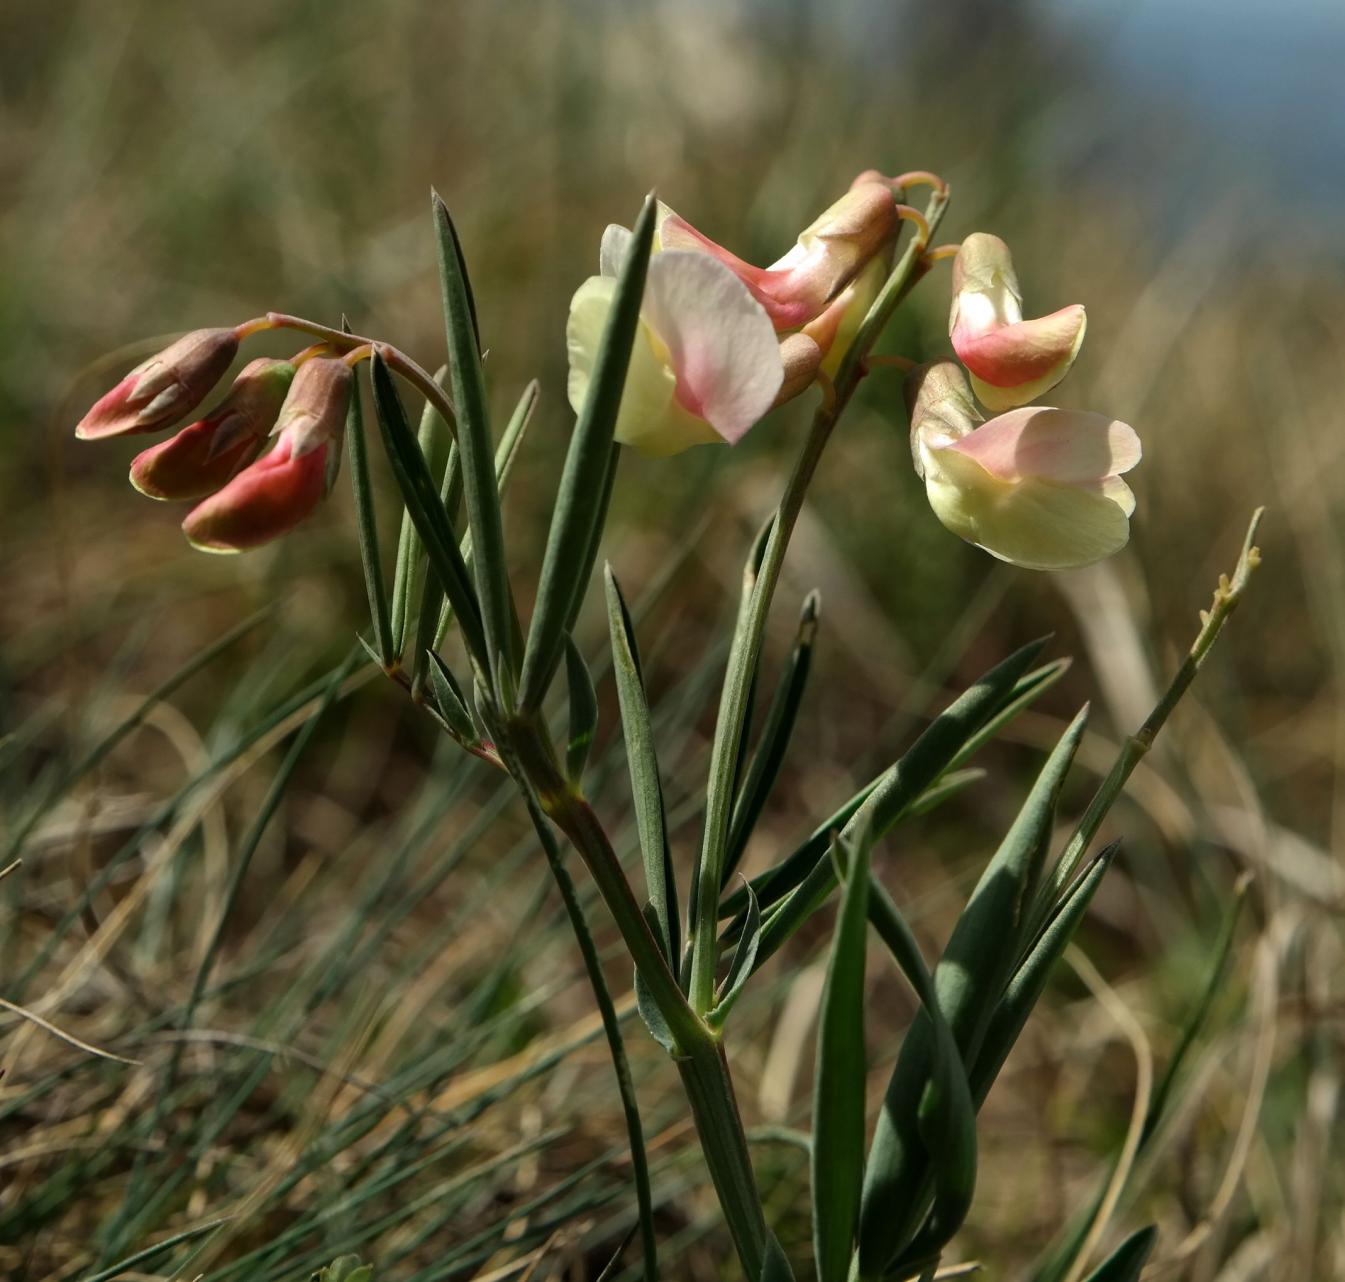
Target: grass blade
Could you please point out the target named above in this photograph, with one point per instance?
(1126, 1262)
(744, 960)
(571, 542)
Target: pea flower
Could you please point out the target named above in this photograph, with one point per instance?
(829, 253)
(1038, 487)
(1011, 360)
(202, 457)
(706, 362)
(271, 496)
(168, 385)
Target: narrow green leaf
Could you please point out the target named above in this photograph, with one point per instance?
(775, 1267)
(838, 1094)
(506, 455)
(490, 569)
(407, 572)
(1030, 978)
(899, 787)
(366, 523)
(450, 699)
(740, 969)
(642, 761)
(1127, 1262)
(583, 712)
(946, 787)
(775, 736)
(427, 511)
(1026, 691)
(969, 980)
(653, 1017)
(571, 543)
(432, 597)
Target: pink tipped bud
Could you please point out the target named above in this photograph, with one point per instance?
(1012, 361)
(167, 386)
(828, 255)
(271, 497)
(201, 458)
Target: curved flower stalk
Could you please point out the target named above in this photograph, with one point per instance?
(271, 496)
(202, 457)
(160, 391)
(706, 363)
(1011, 360)
(1037, 486)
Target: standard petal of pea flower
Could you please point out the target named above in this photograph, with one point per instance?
(1038, 487)
(706, 363)
(1011, 360)
(827, 256)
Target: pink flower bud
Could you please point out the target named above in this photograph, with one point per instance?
(1012, 361)
(1038, 487)
(272, 495)
(167, 386)
(828, 255)
(200, 458)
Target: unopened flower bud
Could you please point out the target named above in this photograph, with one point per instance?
(167, 386)
(200, 458)
(1038, 487)
(1011, 360)
(272, 495)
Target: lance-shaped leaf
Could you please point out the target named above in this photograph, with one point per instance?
(422, 500)
(642, 760)
(571, 543)
(740, 969)
(900, 787)
(775, 1267)
(406, 578)
(366, 523)
(775, 736)
(474, 441)
(451, 701)
(506, 455)
(432, 597)
(583, 712)
(776, 883)
(838, 1094)
(947, 1115)
(1126, 1263)
(969, 979)
(1030, 978)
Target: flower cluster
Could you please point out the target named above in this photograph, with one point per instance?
(246, 500)
(720, 343)
(724, 341)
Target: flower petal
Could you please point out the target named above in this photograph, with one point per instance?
(1037, 524)
(650, 419)
(262, 502)
(1021, 360)
(720, 341)
(1067, 446)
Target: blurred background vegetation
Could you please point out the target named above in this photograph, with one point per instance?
(394, 1054)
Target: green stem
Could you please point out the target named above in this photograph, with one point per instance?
(714, 1107)
(748, 637)
(532, 756)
